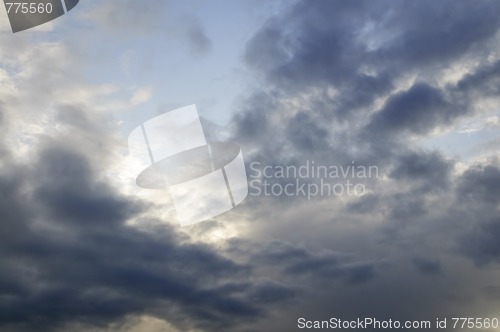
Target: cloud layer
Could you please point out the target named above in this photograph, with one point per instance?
(375, 83)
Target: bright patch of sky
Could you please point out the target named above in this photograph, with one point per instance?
(472, 140)
(195, 57)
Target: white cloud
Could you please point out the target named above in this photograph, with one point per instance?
(141, 96)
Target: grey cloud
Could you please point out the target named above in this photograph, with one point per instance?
(128, 16)
(299, 262)
(361, 81)
(132, 19)
(78, 118)
(427, 265)
(330, 266)
(305, 133)
(199, 43)
(365, 204)
(69, 257)
(481, 244)
(106, 272)
(312, 48)
(478, 194)
(460, 215)
(253, 121)
(480, 184)
(492, 292)
(325, 44)
(417, 110)
(271, 292)
(431, 33)
(483, 82)
(430, 168)
(284, 50)
(66, 187)
(331, 91)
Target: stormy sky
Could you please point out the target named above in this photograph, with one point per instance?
(411, 88)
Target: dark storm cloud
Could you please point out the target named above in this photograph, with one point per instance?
(253, 121)
(305, 133)
(323, 41)
(69, 257)
(406, 207)
(66, 187)
(313, 46)
(310, 44)
(479, 193)
(427, 265)
(368, 81)
(481, 244)
(417, 110)
(361, 50)
(3, 128)
(427, 168)
(365, 204)
(481, 185)
(457, 216)
(299, 262)
(435, 32)
(271, 292)
(327, 62)
(12, 203)
(329, 44)
(485, 81)
(492, 292)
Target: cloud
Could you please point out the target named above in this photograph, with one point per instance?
(426, 265)
(417, 110)
(141, 96)
(69, 255)
(480, 184)
(128, 17)
(330, 265)
(429, 168)
(131, 19)
(368, 82)
(338, 82)
(72, 257)
(199, 43)
(478, 193)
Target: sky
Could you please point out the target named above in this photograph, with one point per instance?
(408, 88)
